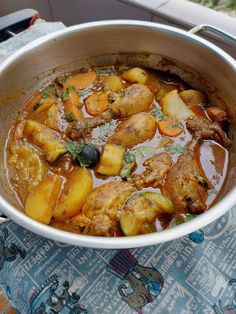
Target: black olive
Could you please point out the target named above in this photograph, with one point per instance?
(88, 157)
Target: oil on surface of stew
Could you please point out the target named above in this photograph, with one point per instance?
(117, 150)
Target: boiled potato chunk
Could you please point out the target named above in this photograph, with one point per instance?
(173, 106)
(41, 201)
(45, 104)
(113, 83)
(193, 97)
(30, 166)
(140, 212)
(49, 141)
(78, 185)
(136, 75)
(134, 130)
(111, 160)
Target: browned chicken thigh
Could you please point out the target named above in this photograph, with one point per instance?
(186, 183)
(156, 168)
(134, 130)
(136, 98)
(207, 129)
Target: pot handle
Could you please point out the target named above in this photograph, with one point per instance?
(212, 29)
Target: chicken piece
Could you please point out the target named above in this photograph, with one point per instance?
(141, 211)
(186, 183)
(207, 129)
(219, 115)
(136, 98)
(103, 206)
(154, 173)
(134, 130)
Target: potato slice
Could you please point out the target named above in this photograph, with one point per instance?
(111, 160)
(30, 166)
(113, 83)
(45, 104)
(49, 141)
(78, 185)
(81, 80)
(140, 212)
(136, 75)
(41, 201)
(173, 106)
(193, 97)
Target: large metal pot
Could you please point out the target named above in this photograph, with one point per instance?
(202, 64)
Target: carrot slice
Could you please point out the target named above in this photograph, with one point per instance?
(96, 103)
(81, 80)
(71, 105)
(170, 127)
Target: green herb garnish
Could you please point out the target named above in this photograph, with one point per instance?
(84, 163)
(73, 149)
(132, 158)
(84, 93)
(66, 94)
(158, 114)
(123, 69)
(105, 70)
(49, 90)
(201, 181)
(68, 117)
(175, 149)
(212, 191)
(128, 165)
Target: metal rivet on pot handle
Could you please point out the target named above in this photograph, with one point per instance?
(214, 30)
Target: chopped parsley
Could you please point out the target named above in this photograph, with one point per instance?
(175, 149)
(158, 114)
(84, 163)
(69, 117)
(103, 128)
(212, 191)
(133, 157)
(129, 163)
(73, 149)
(105, 70)
(84, 93)
(123, 69)
(201, 181)
(66, 94)
(49, 90)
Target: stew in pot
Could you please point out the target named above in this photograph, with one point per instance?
(117, 150)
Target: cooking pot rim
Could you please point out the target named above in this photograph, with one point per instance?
(120, 242)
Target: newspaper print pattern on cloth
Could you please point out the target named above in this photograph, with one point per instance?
(181, 276)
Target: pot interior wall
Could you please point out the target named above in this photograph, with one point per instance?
(200, 66)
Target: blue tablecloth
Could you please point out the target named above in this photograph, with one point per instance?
(194, 274)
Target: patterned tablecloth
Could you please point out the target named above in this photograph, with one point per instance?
(194, 274)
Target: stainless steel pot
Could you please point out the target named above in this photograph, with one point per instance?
(199, 62)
